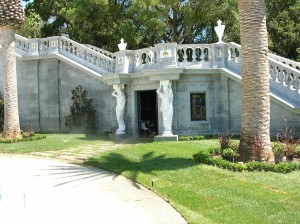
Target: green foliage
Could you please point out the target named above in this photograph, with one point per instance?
(144, 23)
(297, 151)
(1, 113)
(229, 153)
(190, 138)
(277, 148)
(225, 140)
(288, 139)
(25, 138)
(82, 116)
(205, 158)
(32, 25)
(283, 22)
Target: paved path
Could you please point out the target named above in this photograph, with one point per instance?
(35, 191)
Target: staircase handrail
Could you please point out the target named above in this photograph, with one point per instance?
(286, 61)
(64, 46)
(100, 50)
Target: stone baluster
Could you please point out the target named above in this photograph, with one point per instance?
(202, 55)
(185, 55)
(233, 55)
(194, 55)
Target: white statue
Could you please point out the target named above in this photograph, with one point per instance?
(220, 30)
(122, 46)
(166, 94)
(120, 108)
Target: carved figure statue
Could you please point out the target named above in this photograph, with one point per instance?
(120, 108)
(220, 30)
(166, 94)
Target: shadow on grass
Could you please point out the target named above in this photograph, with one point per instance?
(146, 164)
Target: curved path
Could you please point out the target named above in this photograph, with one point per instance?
(34, 190)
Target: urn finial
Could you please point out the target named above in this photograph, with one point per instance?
(220, 31)
(122, 46)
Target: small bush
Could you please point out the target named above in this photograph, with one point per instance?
(288, 139)
(225, 140)
(191, 138)
(205, 158)
(25, 137)
(214, 150)
(258, 151)
(297, 151)
(82, 116)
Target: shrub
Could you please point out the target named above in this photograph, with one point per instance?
(82, 116)
(205, 158)
(25, 137)
(214, 150)
(191, 138)
(229, 154)
(289, 141)
(297, 151)
(225, 140)
(258, 152)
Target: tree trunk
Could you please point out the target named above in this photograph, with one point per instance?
(11, 113)
(255, 78)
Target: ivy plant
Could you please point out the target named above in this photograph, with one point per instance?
(82, 117)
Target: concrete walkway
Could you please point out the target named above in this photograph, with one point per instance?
(34, 190)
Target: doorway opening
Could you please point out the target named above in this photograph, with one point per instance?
(147, 113)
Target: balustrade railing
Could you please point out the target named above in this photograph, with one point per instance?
(194, 54)
(100, 50)
(144, 58)
(66, 47)
(234, 57)
(81, 53)
(283, 72)
(286, 61)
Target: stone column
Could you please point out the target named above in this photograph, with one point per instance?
(10, 89)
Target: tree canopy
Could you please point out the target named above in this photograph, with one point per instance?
(143, 23)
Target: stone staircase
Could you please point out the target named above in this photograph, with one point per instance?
(224, 58)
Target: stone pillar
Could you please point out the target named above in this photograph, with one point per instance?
(124, 61)
(166, 55)
(10, 90)
(225, 104)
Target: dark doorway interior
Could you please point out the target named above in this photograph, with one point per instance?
(147, 113)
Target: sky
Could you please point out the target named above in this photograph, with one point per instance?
(24, 3)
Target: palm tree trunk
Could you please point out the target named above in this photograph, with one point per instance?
(255, 78)
(11, 113)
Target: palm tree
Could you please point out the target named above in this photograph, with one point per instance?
(255, 127)
(11, 18)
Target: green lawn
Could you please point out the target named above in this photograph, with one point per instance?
(205, 194)
(201, 193)
(52, 142)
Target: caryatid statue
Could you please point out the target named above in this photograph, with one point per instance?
(120, 108)
(166, 94)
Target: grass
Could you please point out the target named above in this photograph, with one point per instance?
(201, 193)
(206, 194)
(52, 142)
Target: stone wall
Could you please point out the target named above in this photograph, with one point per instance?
(44, 90)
